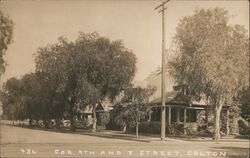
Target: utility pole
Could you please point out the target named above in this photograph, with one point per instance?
(163, 107)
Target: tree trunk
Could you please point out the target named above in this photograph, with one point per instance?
(137, 129)
(217, 122)
(124, 128)
(149, 116)
(72, 126)
(71, 117)
(30, 122)
(137, 119)
(37, 123)
(94, 119)
(58, 121)
(46, 124)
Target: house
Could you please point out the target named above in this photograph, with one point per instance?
(85, 116)
(181, 110)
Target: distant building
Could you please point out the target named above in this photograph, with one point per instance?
(154, 80)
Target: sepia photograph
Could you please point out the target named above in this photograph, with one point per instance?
(124, 78)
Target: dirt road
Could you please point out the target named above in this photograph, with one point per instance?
(24, 142)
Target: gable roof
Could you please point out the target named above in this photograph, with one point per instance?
(99, 107)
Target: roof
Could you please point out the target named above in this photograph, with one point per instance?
(177, 98)
(100, 107)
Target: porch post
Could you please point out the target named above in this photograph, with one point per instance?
(178, 115)
(227, 115)
(185, 116)
(150, 113)
(206, 116)
(169, 115)
(185, 120)
(149, 118)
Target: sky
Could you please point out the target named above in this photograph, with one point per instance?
(136, 23)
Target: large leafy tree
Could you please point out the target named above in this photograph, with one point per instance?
(85, 71)
(6, 34)
(211, 57)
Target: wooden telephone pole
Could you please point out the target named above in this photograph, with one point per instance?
(163, 96)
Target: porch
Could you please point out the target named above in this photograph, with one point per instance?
(189, 116)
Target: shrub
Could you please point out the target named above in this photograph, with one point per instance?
(149, 127)
(244, 128)
(103, 118)
(113, 126)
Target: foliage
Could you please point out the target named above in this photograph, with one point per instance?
(13, 100)
(85, 71)
(244, 127)
(234, 114)
(150, 127)
(107, 65)
(240, 113)
(6, 34)
(22, 98)
(34, 96)
(118, 119)
(212, 57)
(244, 101)
(134, 106)
(69, 76)
(103, 118)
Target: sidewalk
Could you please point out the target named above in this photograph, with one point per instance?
(141, 138)
(119, 135)
(156, 138)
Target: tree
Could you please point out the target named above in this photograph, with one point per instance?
(34, 97)
(136, 106)
(21, 98)
(51, 73)
(105, 67)
(6, 34)
(211, 57)
(13, 100)
(27, 98)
